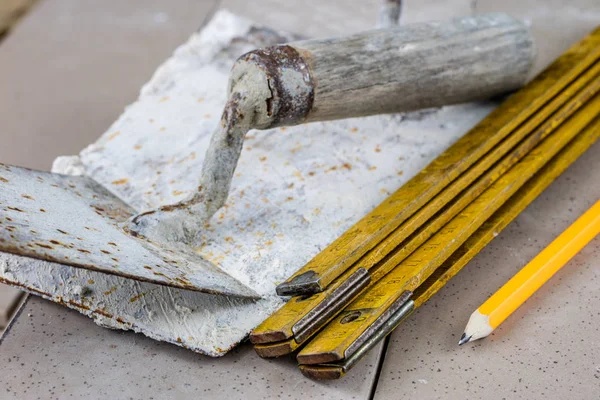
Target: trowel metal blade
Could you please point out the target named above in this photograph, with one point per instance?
(75, 221)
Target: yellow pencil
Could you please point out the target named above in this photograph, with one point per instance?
(516, 291)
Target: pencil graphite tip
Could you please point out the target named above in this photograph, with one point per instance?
(464, 339)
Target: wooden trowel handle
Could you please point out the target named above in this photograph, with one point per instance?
(396, 69)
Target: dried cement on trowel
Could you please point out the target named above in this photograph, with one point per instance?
(295, 190)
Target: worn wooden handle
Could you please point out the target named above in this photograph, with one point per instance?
(380, 71)
(389, 70)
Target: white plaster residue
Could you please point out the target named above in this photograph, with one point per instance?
(68, 165)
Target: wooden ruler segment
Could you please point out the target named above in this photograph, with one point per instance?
(401, 249)
(340, 255)
(279, 327)
(330, 344)
(473, 181)
(490, 229)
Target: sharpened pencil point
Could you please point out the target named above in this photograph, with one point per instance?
(464, 339)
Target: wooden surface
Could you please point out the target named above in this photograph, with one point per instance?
(11, 11)
(76, 86)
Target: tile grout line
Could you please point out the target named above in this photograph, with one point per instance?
(379, 367)
(15, 316)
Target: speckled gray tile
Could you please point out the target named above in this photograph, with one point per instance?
(548, 349)
(52, 352)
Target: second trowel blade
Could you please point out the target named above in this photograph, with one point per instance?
(73, 220)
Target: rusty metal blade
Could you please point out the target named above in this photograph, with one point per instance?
(75, 221)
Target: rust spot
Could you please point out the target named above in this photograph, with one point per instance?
(3, 180)
(228, 239)
(105, 251)
(147, 267)
(177, 192)
(28, 288)
(159, 274)
(179, 340)
(115, 259)
(42, 210)
(377, 149)
(137, 147)
(400, 173)
(311, 173)
(354, 130)
(78, 305)
(55, 242)
(63, 232)
(286, 104)
(264, 158)
(113, 135)
(120, 181)
(112, 289)
(200, 99)
(372, 168)
(347, 166)
(102, 312)
(120, 320)
(15, 209)
(136, 297)
(44, 246)
(83, 251)
(91, 281)
(112, 244)
(183, 282)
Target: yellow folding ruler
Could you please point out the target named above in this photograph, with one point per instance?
(523, 121)
(318, 350)
(342, 336)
